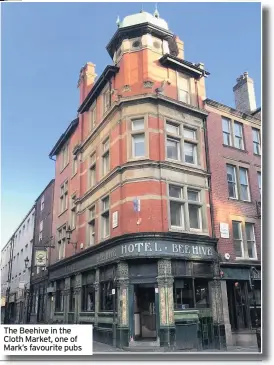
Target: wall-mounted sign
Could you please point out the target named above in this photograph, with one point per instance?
(21, 285)
(224, 230)
(3, 301)
(115, 219)
(40, 258)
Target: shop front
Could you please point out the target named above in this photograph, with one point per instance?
(159, 289)
(243, 304)
(38, 301)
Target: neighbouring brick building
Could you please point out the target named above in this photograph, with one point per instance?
(37, 305)
(234, 145)
(16, 269)
(134, 252)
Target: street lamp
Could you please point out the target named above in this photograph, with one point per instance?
(68, 237)
(26, 262)
(114, 312)
(251, 282)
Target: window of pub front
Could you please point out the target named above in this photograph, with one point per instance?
(191, 292)
(107, 275)
(72, 294)
(88, 292)
(59, 296)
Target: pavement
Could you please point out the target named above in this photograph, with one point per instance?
(102, 347)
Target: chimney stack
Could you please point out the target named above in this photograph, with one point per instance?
(180, 45)
(86, 80)
(244, 94)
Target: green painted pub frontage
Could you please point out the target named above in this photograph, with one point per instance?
(162, 288)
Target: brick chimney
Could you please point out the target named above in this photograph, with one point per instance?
(86, 80)
(180, 45)
(244, 94)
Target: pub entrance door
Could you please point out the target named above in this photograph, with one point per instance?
(144, 312)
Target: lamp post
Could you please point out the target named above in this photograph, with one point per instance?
(68, 237)
(26, 262)
(257, 328)
(114, 311)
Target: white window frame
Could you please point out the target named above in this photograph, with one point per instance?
(178, 147)
(232, 134)
(92, 170)
(62, 242)
(134, 136)
(239, 239)
(73, 218)
(91, 223)
(137, 131)
(74, 164)
(257, 143)
(240, 184)
(259, 177)
(195, 153)
(199, 205)
(225, 132)
(92, 117)
(64, 156)
(104, 212)
(105, 155)
(175, 137)
(253, 241)
(106, 94)
(235, 181)
(186, 89)
(63, 197)
(241, 136)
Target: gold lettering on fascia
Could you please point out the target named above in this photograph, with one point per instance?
(107, 255)
(192, 250)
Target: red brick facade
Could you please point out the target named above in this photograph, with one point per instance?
(226, 209)
(138, 177)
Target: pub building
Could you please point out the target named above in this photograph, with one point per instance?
(134, 249)
(162, 287)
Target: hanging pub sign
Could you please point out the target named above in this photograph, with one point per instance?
(40, 258)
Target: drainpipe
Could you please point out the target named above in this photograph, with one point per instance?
(30, 296)
(209, 179)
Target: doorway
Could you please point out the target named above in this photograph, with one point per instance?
(144, 312)
(238, 305)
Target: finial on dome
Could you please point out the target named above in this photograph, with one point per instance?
(156, 12)
(118, 21)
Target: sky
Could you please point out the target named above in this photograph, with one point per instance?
(44, 45)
